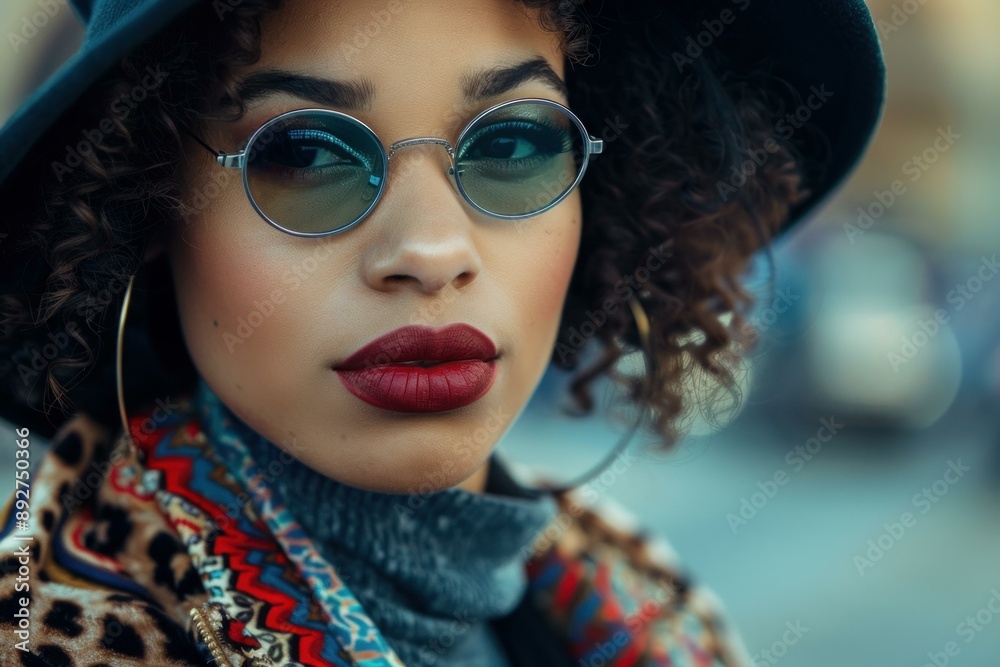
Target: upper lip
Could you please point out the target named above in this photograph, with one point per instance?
(454, 342)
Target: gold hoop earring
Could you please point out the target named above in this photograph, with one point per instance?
(643, 327)
(119, 348)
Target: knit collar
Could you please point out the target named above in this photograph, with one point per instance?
(423, 566)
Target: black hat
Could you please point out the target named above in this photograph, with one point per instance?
(827, 50)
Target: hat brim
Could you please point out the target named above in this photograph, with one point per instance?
(829, 53)
(95, 57)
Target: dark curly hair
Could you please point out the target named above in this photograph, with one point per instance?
(664, 188)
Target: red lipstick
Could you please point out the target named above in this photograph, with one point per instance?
(421, 369)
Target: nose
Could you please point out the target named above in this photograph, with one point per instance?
(422, 236)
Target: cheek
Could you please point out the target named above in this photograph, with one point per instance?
(545, 270)
(213, 289)
(538, 265)
(213, 294)
(231, 290)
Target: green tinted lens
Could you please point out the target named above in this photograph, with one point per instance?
(314, 172)
(520, 158)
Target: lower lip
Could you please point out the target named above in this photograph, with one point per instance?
(438, 388)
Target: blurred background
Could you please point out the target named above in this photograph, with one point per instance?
(874, 390)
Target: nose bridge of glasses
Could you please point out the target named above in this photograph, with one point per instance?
(421, 141)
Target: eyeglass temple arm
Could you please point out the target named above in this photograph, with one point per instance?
(595, 145)
(225, 159)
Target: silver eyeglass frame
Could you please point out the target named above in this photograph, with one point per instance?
(238, 160)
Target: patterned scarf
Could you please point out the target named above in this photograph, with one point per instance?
(429, 573)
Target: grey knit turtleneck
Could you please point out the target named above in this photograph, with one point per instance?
(430, 578)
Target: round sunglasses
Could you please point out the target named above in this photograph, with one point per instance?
(316, 172)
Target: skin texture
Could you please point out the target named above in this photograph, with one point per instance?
(424, 255)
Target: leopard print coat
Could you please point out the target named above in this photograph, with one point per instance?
(157, 558)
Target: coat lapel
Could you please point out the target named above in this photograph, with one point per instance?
(258, 603)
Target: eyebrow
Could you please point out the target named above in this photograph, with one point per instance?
(360, 93)
(487, 83)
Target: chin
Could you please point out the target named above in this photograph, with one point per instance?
(425, 468)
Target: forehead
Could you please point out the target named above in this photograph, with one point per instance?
(409, 50)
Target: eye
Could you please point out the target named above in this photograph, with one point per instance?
(305, 149)
(515, 140)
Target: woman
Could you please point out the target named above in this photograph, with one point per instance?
(352, 237)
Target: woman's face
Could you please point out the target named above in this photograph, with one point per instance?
(267, 315)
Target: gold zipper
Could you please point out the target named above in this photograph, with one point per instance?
(204, 628)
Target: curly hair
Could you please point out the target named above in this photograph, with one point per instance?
(87, 212)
